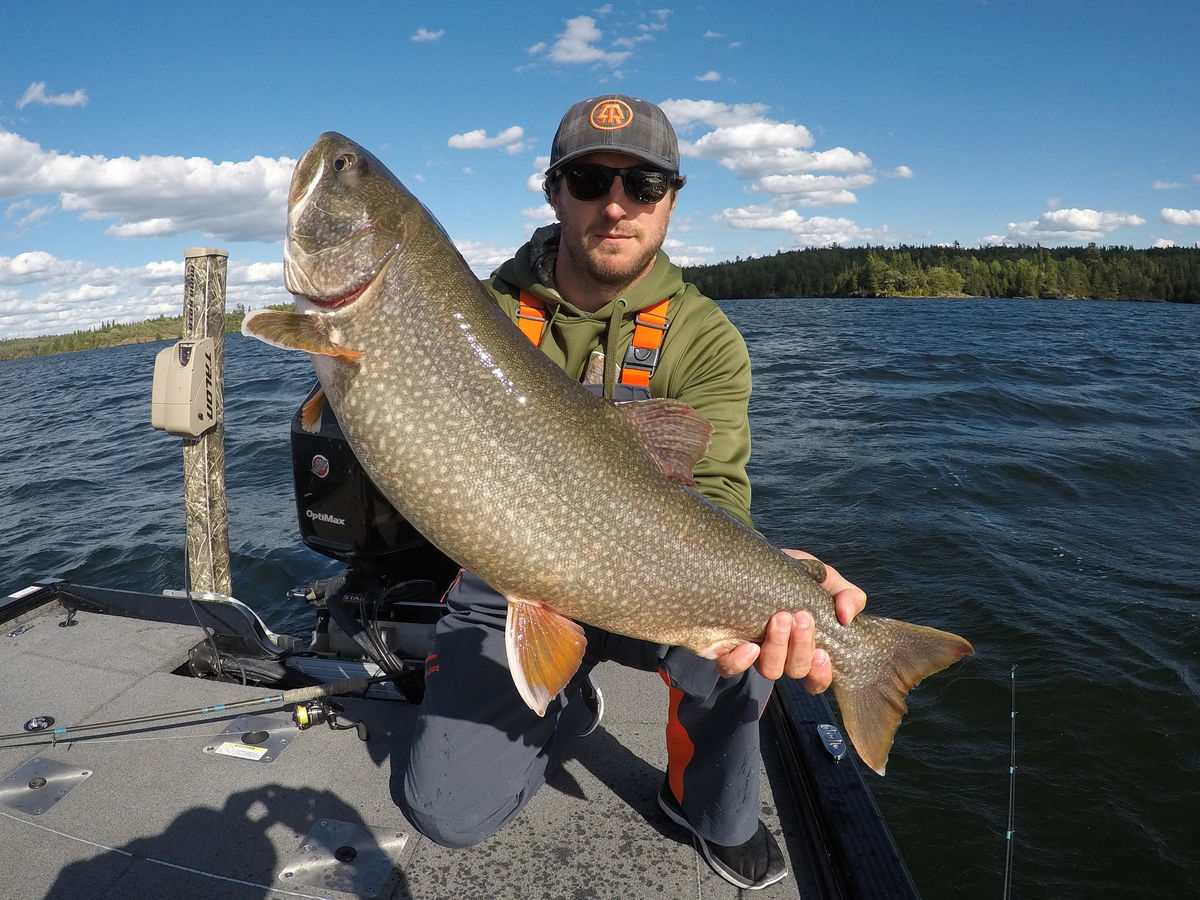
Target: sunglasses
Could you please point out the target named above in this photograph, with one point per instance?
(589, 181)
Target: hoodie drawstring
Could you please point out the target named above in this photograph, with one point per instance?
(612, 347)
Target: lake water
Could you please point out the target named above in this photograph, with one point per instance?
(1023, 473)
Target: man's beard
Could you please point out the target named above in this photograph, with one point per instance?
(613, 270)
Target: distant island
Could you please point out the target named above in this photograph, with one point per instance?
(1168, 274)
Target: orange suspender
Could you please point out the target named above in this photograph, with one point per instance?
(531, 317)
(641, 358)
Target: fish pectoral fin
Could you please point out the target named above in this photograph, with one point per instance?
(675, 434)
(310, 412)
(544, 651)
(296, 331)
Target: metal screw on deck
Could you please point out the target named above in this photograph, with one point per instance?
(207, 514)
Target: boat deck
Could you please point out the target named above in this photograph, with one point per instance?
(151, 811)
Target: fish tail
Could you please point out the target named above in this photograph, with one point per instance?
(871, 695)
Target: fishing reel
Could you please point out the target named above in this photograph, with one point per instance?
(316, 712)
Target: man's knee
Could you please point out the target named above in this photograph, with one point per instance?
(446, 820)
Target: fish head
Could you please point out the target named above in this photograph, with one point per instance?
(347, 220)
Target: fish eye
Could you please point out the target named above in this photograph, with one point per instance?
(345, 161)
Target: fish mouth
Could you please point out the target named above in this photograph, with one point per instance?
(306, 290)
(344, 299)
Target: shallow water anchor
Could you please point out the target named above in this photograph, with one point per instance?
(207, 514)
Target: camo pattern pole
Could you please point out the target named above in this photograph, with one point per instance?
(207, 515)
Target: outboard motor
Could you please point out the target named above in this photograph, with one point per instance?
(385, 603)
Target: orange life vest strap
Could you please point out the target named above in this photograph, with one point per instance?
(649, 330)
(531, 317)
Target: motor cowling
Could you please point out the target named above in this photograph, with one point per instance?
(343, 515)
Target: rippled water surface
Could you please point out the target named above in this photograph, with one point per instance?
(1024, 473)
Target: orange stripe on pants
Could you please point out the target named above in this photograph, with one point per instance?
(680, 748)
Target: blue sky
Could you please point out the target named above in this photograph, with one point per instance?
(130, 132)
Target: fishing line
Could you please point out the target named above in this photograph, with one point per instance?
(161, 862)
(1012, 784)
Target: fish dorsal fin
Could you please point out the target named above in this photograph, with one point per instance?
(296, 331)
(675, 434)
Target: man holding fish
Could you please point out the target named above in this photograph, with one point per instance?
(575, 437)
(612, 181)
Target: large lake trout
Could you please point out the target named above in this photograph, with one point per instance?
(574, 508)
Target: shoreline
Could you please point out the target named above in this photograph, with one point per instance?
(171, 329)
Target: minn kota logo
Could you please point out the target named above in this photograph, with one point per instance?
(609, 115)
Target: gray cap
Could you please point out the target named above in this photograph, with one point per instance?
(617, 123)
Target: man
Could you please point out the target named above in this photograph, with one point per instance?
(581, 289)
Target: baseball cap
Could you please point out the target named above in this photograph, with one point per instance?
(618, 123)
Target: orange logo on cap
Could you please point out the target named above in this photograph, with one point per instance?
(609, 115)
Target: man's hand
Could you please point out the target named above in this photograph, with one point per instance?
(789, 646)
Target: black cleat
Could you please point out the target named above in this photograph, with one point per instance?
(751, 866)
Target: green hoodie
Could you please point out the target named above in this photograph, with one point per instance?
(704, 361)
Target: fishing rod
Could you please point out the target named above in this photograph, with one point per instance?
(42, 724)
(1012, 784)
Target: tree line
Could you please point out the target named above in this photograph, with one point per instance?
(1071, 273)
(111, 334)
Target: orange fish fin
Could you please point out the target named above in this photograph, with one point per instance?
(544, 650)
(872, 702)
(675, 434)
(296, 331)
(310, 412)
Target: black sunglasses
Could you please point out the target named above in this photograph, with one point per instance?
(589, 181)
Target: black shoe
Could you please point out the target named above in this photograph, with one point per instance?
(593, 700)
(752, 865)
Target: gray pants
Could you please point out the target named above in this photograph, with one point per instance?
(479, 753)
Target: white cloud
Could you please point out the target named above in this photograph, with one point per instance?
(710, 75)
(813, 190)
(483, 258)
(36, 93)
(424, 35)
(540, 215)
(1163, 244)
(815, 231)
(26, 212)
(34, 265)
(42, 294)
(778, 158)
(509, 139)
(155, 195)
(751, 145)
(1062, 225)
(1180, 216)
(576, 44)
(757, 136)
(631, 43)
(686, 254)
(1166, 185)
(709, 35)
(683, 113)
